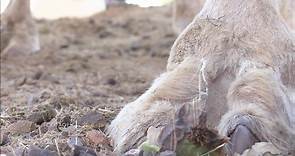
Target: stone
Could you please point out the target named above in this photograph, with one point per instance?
(133, 152)
(37, 75)
(42, 115)
(31, 151)
(94, 119)
(82, 151)
(4, 139)
(21, 127)
(21, 81)
(36, 151)
(111, 81)
(97, 137)
(20, 151)
(263, 148)
(62, 101)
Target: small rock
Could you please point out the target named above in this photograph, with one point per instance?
(263, 148)
(64, 148)
(5, 150)
(3, 138)
(43, 115)
(44, 95)
(50, 78)
(37, 75)
(93, 119)
(35, 151)
(21, 127)
(52, 125)
(63, 46)
(133, 152)
(20, 151)
(111, 81)
(97, 137)
(43, 128)
(105, 34)
(83, 151)
(21, 81)
(61, 102)
(65, 134)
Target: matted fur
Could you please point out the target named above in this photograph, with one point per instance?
(236, 55)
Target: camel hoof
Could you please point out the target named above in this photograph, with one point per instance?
(241, 139)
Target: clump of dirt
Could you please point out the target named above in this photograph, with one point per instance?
(86, 71)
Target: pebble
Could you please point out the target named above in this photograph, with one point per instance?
(17, 152)
(37, 75)
(43, 115)
(32, 151)
(97, 137)
(36, 151)
(21, 127)
(93, 119)
(83, 151)
(133, 152)
(21, 81)
(111, 81)
(4, 139)
(62, 101)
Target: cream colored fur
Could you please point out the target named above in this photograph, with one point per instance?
(184, 12)
(238, 57)
(18, 30)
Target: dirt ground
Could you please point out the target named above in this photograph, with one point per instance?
(86, 71)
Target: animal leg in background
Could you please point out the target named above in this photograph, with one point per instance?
(18, 30)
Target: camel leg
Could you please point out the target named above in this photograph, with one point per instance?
(156, 107)
(18, 29)
(257, 102)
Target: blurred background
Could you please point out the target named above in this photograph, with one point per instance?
(87, 69)
(53, 9)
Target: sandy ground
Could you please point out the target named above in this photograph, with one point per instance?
(87, 70)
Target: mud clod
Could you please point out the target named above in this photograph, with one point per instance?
(21, 127)
(92, 119)
(41, 115)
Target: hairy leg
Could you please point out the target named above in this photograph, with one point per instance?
(257, 103)
(157, 106)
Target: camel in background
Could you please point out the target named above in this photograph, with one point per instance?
(18, 30)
